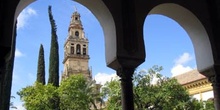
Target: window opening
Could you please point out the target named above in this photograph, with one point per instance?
(77, 33)
(72, 50)
(78, 50)
(84, 51)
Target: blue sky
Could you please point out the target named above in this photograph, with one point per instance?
(166, 42)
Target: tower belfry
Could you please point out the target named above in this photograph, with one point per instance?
(76, 57)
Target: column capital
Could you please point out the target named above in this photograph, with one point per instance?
(125, 73)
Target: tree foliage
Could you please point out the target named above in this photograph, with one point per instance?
(112, 92)
(54, 60)
(152, 91)
(78, 93)
(54, 55)
(96, 98)
(74, 93)
(12, 104)
(38, 96)
(41, 66)
(209, 105)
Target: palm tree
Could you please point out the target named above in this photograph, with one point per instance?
(95, 97)
(12, 104)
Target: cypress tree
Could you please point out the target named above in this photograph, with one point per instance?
(54, 62)
(41, 66)
(54, 56)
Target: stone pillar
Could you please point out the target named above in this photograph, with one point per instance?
(2, 85)
(215, 80)
(4, 100)
(126, 88)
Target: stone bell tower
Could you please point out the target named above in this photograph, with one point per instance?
(76, 57)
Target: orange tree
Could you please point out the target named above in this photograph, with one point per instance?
(153, 91)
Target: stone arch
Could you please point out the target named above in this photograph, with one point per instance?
(102, 13)
(194, 29)
(78, 49)
(77, 34)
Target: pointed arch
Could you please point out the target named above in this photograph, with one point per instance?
(102, 13)
(194, 29)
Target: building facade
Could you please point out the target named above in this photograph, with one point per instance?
(196, 84)
(76, 57)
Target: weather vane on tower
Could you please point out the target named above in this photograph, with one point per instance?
(75, 9)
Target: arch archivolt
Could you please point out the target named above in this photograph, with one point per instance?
(195, 30)
(101, 12)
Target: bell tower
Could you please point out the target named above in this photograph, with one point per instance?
(76, 57)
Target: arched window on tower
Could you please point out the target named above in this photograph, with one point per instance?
(78, 49)
(77, 33)
(72, 50)
(84, 51)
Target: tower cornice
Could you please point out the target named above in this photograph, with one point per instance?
(75, 56)
(75, 26)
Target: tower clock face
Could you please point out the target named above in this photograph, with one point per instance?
(77, 33)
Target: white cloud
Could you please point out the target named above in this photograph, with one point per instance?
(179, 67)
(18, 53)
(102, 78)
(24, 17)
(183, 59)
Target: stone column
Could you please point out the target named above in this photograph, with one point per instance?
(126, 88)
(2, 84)
(4, 100)
(215, 80)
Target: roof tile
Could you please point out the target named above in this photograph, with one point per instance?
(189, 77)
